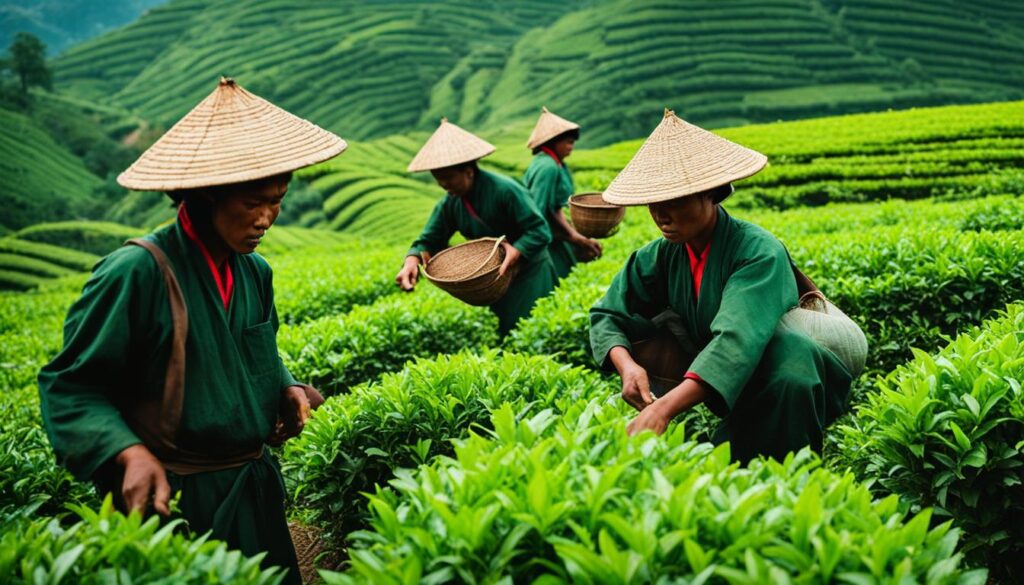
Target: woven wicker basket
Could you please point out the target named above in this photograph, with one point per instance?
(469, 271)
(592, 217)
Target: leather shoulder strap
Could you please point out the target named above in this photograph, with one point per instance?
(174, 381)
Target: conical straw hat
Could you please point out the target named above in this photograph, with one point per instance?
(680, 159)
(232, 136)
(449, 146)
(548, 126)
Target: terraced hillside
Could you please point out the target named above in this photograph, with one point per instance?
(952, 152)
(372, 70)
(367, 190)
(363, 69)
(737, 62)
(44, 253)
(41, 180)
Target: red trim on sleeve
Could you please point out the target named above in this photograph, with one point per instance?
(693, 376)
(225, 283)
(697, 264)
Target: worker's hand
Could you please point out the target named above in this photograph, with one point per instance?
(636, 388)
(292, 415)
(649, 419)
(588, 249)
(145, 480)
(409, 273)
(512, 255)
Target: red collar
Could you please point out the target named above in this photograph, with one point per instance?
(225, 282)
(702, 257)
(552, 154)
(697, 264)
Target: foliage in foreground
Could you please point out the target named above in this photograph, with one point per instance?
(948, 431)
(569, 497)
(31, 482)
(105, 546)
(356, 441)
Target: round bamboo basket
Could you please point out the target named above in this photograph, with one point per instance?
(469, 271)
(592, 216)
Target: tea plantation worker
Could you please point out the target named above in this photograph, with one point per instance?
(169, 379)
(550, 183)
(482, 204)
(695, 316)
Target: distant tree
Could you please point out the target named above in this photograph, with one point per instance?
(28, 60)
(11, 96)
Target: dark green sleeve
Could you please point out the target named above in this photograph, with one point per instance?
(635, 295)
(545, 187)
(436, 234)
(536, 235)
(77, 388)
(760, 289)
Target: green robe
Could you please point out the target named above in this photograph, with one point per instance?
(551, 185)
(117, 340)
(775, 388)
(504, 208)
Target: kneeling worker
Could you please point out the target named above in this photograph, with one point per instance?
(698, 311)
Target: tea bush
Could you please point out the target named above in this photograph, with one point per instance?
(570, 498)
(971, 214)
(30, 333)
(329, 281)
(336, 353)
(947, 430)
(93, 237)
(31, 482)
(356, 441)
(105, 546)
(907, 286)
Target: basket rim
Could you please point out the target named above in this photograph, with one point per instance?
(461, 280)
(604, 205)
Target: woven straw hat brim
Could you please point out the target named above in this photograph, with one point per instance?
(680, 159)
(549, 126)
(232, 136)
(449, 145)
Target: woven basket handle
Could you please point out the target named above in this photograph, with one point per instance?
(497, 245)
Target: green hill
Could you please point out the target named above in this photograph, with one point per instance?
(363, 69)
(741, 61)
(42, 180)
(372, 70)
(60, 156)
